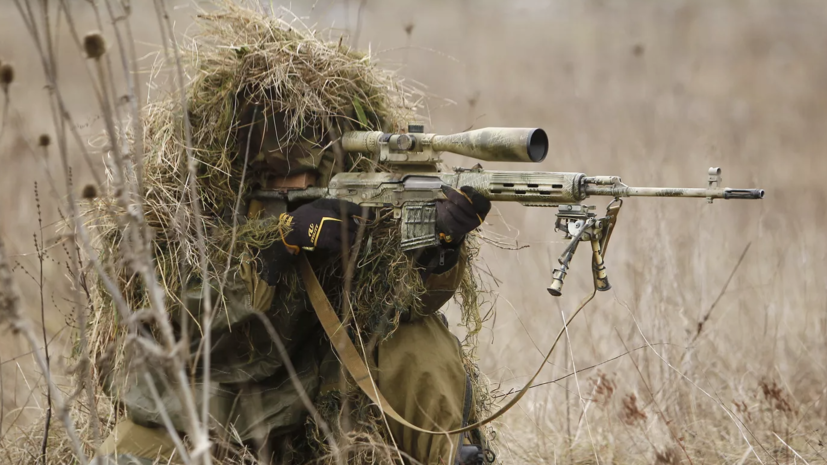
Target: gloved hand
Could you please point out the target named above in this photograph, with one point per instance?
(462, 212)
(319, 225)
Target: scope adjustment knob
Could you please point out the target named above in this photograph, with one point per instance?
(404, 142)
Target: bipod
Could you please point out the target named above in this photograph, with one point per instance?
(579, 223)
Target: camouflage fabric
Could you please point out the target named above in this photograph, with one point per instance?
(419, 369)
(122, 459)
(131, 444)
(249, 382)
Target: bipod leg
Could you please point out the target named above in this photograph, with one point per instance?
(601, 281)
(559, 274)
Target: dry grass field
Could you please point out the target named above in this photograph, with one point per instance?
(677, 363)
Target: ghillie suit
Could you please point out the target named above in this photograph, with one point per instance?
(265, 104)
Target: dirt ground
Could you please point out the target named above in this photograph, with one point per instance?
(656, 92)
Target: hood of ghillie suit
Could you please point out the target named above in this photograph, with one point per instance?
(276, 97)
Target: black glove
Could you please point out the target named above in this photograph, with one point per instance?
(319, 225)
(460, 213)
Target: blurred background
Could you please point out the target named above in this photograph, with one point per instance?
(655, 92)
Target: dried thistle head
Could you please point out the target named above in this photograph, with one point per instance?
(89, 192)
(94, 45)
(638, 50)
(44, 140)
(6, 75)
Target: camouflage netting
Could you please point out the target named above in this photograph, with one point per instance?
(241, 57)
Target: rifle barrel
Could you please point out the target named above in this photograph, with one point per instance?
(714, 193)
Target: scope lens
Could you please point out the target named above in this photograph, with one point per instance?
(537, 145)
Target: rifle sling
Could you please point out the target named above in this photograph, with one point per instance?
(357, 368)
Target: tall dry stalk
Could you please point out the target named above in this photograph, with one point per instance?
(40, 250)
(13, 315)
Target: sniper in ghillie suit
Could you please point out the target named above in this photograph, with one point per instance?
(278, 258)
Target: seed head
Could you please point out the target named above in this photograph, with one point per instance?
(89, 192)
(94, 45)
(6, 74)
(44, 140)
(638, 50)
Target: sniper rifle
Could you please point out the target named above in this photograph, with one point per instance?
(413, 183)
